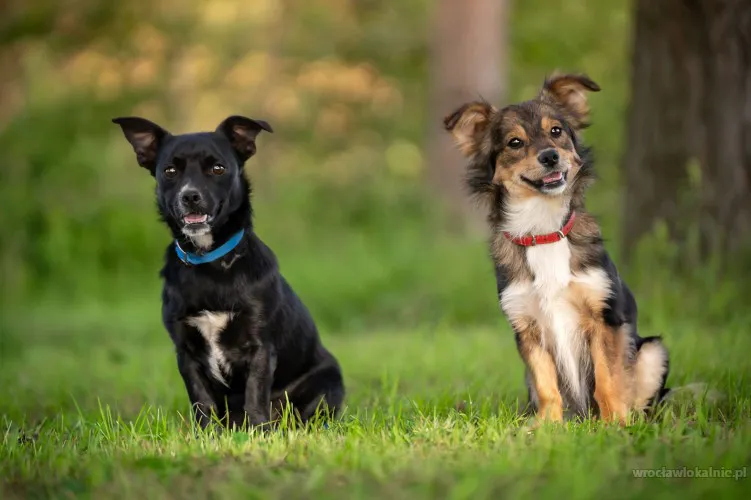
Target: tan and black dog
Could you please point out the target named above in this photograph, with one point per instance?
(573, 316)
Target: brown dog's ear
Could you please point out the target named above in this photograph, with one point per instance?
(569, 93)
(145, 137)
(242, 133)
(467, 124)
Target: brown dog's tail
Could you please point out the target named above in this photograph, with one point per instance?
(651, 370)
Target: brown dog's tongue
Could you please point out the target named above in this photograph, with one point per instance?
(552, 177)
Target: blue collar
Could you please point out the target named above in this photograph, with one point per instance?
(217, 253)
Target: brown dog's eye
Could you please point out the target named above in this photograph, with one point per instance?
(170, 172)
(515, 143)
(217, 169)
(556, 131)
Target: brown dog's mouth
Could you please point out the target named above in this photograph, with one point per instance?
(549, 182)
(552, 178)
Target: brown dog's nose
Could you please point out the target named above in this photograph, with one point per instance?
(548, 157)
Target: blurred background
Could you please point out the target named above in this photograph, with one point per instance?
(358, 191)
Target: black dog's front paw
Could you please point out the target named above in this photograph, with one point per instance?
(206, 429)
(250, 420)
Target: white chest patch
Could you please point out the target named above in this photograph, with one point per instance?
(211, 325)
(535, 215)
(203, 240)
(551, 267)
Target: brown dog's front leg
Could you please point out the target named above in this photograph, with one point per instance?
(543, 374)
(607, 357)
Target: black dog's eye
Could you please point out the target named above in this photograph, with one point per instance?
(556, 131)
(515, 143)
(170, 172)
(217, 169)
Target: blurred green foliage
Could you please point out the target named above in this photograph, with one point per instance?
(339, 189)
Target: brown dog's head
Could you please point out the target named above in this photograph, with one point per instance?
(527, 149)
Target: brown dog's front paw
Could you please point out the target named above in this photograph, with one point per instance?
(547, 416)
(616, 413)
(552, 412)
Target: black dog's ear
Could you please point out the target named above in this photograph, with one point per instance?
(569, 93)
(145, 137)
(242, 133)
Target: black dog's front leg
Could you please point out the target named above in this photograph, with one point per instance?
(195, 382)
(258, 385)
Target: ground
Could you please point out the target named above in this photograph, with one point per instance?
(92, 411)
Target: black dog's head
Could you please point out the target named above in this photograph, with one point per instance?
(201, 186)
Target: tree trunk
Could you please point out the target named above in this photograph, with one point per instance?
(690, 101)
(467, 61)
(726, 177)
(662, 133)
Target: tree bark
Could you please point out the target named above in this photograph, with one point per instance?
(726, 177)
(663, 114)
(467, 61)
(690, 101)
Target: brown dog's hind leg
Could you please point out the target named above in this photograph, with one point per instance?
(650, 372)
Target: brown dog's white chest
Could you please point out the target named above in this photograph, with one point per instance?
(560, 303)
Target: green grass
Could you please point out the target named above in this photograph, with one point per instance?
(91, 403)
(93, 410)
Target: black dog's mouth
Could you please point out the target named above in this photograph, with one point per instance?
(549, 182)
(194, 218)
(200, 218)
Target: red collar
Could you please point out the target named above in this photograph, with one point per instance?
(541, 239)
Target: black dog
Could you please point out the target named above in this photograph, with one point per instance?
(245, 342)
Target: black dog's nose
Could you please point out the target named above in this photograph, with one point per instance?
(548, 157)
(191, 197)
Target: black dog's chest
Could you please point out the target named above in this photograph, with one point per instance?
(215, 318)
(214, 339)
